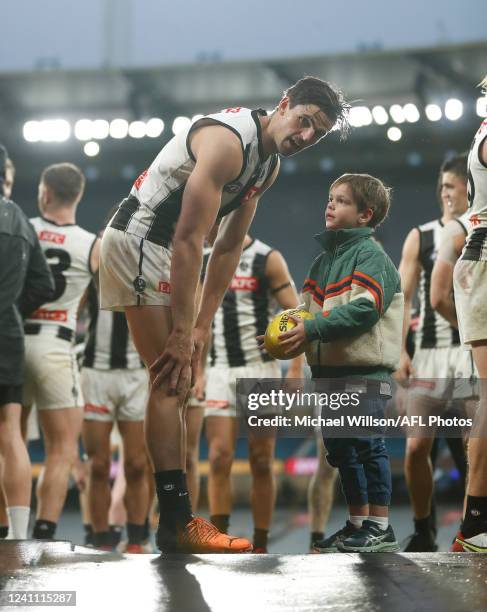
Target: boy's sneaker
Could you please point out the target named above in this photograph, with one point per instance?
(329, 545)
(477, 543)
(418, 542)
(199, 536)
(369, 538)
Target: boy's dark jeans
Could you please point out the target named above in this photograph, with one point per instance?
(363, 463)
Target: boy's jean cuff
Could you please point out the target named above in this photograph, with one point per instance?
(380, 500)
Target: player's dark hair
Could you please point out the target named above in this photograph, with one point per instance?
(66, 181)
(330, 100)
(457, 165)
(368, 192)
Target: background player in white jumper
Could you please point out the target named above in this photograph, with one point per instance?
(437, 346)
(152, 255)
(261, 284)
(114, 384)
(52, 376)
(470, 282)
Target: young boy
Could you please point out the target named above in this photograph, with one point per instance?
(354, 291)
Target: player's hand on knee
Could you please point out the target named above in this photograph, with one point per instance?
(174, 364)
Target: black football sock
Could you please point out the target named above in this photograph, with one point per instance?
(44, 530)
(475, 520)
(3, 532)
(103, 538)
(135, 533)
(88, 529)
(221, 522)
(260, 538)
(423, 527)
(173, 496)
(146, 530)
(116, 531)
(316, 536)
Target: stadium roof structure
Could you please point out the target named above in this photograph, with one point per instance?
(418, 77)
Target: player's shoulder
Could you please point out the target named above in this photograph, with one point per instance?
(429, 225)
(261, 247)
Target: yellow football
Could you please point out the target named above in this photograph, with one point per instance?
(282, 323)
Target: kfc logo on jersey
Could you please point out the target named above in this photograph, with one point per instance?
(50, 315)
(141, 179)
(46, 236)
(164, 287)
(244, 283)
(93, 409)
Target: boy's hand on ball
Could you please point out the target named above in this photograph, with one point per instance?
(294, 339)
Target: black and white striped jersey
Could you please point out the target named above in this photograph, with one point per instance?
(108, 343)
(433, 330)
(247, 308)
(68, 251)
(476, 246)
(153, 207)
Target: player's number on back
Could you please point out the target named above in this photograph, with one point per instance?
(59, 261)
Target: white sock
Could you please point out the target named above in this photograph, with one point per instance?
(357, 520)
(18, 522)
(382, 521)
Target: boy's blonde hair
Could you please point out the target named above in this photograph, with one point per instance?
(483, 84)
(368, 192)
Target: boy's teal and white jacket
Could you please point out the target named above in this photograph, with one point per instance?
(354, 291)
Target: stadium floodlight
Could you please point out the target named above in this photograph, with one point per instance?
(54, 130)
(100, 129)
(360, 116)
(83, 129)
(91, 148)
(154, 127)
(394, 134)
(119, 128)
(411, 112)
(31, 131)
(481, 106)
(433, 112)
(179, 124)
(453, 109)
(380, 115)
(397, 113)
(137, 129)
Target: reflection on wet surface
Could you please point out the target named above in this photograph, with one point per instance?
(219, 583)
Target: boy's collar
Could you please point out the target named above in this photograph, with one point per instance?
(330, 239)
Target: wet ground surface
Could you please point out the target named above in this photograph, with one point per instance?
(180, 583)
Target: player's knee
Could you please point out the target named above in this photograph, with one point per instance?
(135, 468)
(100, 468)
(221, 459)
(261, 464)
(417, 449)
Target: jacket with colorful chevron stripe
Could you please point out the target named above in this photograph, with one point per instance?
(354, 291)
